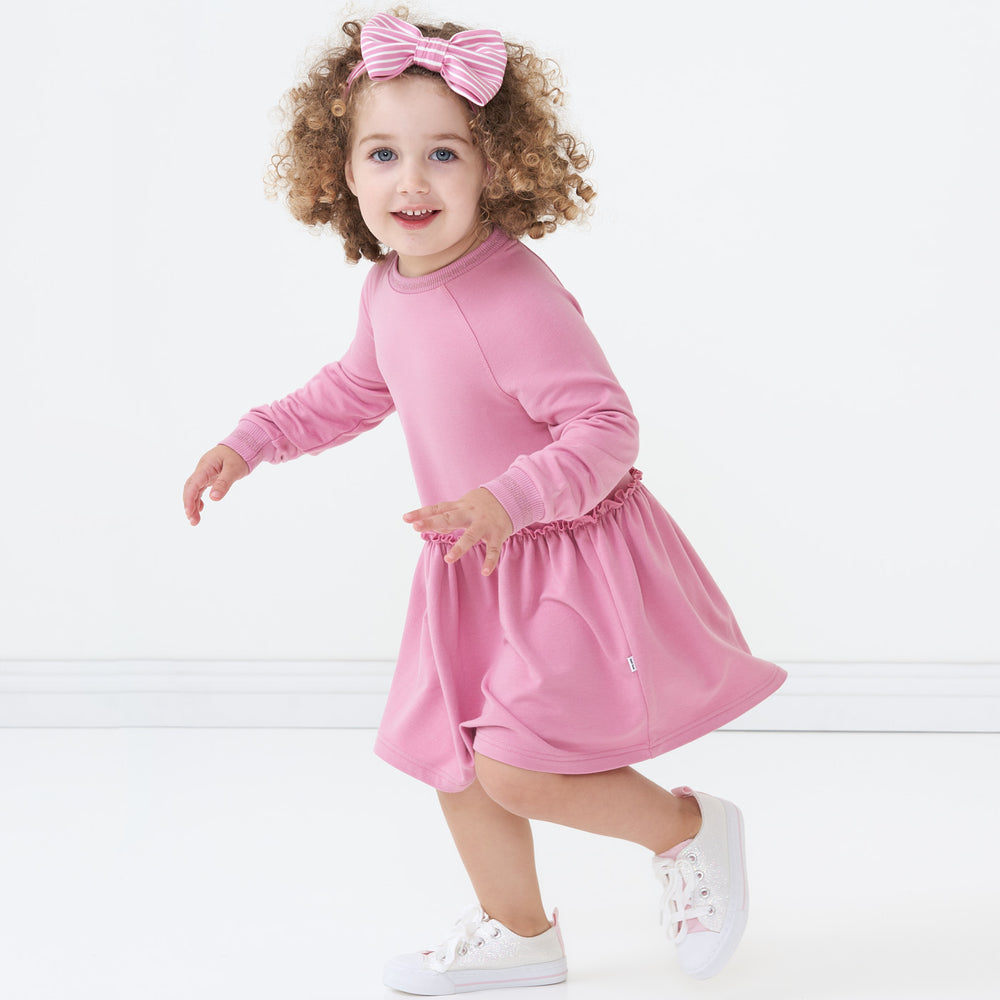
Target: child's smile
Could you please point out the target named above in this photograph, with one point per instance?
(416, 172)
(410, 219)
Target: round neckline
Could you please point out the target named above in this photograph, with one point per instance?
(435, 279)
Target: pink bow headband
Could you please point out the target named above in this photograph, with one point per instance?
(470, 62)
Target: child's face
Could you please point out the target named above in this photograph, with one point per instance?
(413, 153)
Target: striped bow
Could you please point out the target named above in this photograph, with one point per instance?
(470, 62)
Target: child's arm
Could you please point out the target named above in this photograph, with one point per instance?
(341, 401)
(542, 353)
(218, 468)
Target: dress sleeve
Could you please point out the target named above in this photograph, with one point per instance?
(340, 402)
(549, 360)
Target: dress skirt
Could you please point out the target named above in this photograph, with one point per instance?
(596, 643)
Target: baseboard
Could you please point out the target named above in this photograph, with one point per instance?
(824, 697)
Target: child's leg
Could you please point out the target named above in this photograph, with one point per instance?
(498, 852)
(704, 902)
(620, 803)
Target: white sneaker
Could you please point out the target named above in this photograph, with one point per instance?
(705, 900)
(481, 954)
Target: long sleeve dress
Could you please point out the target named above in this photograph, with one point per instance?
(601, 640)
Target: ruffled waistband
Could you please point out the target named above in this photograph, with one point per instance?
(615, 501)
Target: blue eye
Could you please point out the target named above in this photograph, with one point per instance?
(383, 155)
(442, 155)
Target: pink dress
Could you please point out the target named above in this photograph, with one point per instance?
(601, 640)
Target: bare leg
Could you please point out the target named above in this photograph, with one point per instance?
(498, 852)
(620, 803)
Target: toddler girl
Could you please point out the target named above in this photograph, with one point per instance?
(560, 627)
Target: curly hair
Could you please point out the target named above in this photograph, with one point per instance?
(535, 180)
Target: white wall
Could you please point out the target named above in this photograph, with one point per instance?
(793, 266)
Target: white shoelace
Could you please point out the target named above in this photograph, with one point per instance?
(467, 933)
(677, 905)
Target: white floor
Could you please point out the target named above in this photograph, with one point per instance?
(287, 864)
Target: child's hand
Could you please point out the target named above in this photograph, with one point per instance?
(480, 516)
(218, 468)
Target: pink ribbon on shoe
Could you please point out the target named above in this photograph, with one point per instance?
(470, 62)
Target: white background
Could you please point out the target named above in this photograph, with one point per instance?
(792, 266)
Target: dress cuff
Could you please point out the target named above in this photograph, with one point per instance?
(248, 441)
(519, 496)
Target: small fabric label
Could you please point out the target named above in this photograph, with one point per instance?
(631, 664)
